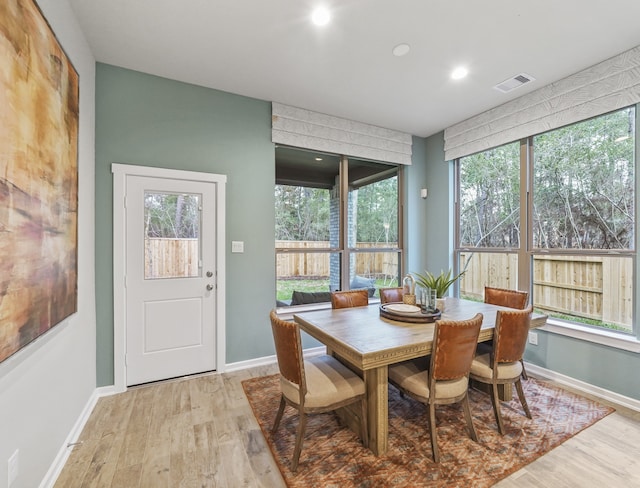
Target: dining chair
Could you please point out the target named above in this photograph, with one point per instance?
(349, 298)
(388, 295)
(507, 298)
(316, 385)
(447, 378)
(503, 364)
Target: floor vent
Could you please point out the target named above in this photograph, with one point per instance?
(515, 82)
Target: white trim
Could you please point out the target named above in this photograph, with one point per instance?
(61, 458)
(120, 173)
(267, 360)
(603, 337)
(616, 398)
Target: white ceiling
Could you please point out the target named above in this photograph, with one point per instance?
(268, 49)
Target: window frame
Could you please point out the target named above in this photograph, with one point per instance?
(629, 341)
(343, 250)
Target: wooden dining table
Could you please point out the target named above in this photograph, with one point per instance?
(369, 343)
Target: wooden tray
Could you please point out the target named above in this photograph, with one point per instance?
(412, 317)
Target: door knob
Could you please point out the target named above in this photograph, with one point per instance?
(209, 287)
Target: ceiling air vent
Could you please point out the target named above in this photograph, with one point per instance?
(515, 82)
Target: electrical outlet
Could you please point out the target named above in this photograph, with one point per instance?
(533, 338)
(12, 468)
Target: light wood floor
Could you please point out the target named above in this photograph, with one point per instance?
(200, 432)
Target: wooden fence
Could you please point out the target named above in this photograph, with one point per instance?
(317, 264)
(582, 286)
(171, 258)
(576, 285)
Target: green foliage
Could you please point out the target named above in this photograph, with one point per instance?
(489, 198)
(440, 283)
(377, 212)
(584, 184)
(583, 188)
(169, 215)
(302, 213)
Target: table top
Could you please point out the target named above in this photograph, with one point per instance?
(367, 340)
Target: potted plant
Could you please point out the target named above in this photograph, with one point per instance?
(440, 283)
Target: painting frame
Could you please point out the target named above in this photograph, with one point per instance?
(39, 145)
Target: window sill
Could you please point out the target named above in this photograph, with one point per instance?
(286, 313)
(603, 337)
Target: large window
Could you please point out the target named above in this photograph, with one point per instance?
(337, 226)
(489, 220)
(576, 250)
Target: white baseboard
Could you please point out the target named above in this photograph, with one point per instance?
(65, 451)
(63, 454)
(266, 360)
(623, 401)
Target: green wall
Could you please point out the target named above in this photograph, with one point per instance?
(429, 220)
(606, 367)
(151, 121)
(146, 120)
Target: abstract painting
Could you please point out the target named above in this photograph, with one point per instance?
(39, 108)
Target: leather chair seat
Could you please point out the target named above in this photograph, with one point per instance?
(481, 367)
(328, 382)
(411, 376)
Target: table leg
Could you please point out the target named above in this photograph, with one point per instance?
(376, 383)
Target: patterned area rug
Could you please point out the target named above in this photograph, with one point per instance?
(332, 456)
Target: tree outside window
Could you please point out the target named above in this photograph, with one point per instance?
(580, 234)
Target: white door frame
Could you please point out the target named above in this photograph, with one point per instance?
(120, 173)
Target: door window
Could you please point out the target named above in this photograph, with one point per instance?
(171, 235)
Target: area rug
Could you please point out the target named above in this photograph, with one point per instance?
(332, 455)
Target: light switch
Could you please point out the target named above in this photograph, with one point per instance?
(237, 246)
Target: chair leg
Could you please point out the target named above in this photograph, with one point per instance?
(522, 398)
(279, 415)
(364, 430)
(495, 401)
(524, 371)
(302, 424)
(433, 433)
(467, 416)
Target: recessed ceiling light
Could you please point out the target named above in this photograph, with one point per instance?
(321, 16)
(401, 49)
(318, 159)
(459, 73)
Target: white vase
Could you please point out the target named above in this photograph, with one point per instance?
(440, 303)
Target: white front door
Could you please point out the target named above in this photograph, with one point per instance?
(170, 277)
